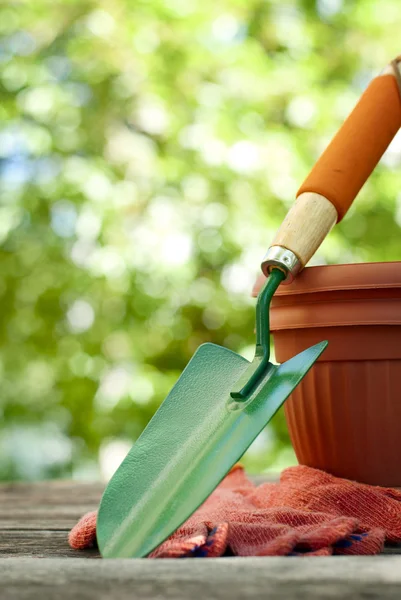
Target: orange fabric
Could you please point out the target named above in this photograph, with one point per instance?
(355, 150)
(306, 512)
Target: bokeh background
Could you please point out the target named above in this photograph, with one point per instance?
(148, 152)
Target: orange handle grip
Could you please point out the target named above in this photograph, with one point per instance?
(355, 150)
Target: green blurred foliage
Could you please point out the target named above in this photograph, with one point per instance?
(148, 152)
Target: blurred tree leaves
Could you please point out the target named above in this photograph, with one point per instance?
(148, 152)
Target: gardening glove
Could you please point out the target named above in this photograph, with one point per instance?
(308, 512)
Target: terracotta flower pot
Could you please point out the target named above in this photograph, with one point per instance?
(345, 416)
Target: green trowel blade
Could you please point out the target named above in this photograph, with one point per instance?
(193, 440)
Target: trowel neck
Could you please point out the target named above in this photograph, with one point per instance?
(262, 312)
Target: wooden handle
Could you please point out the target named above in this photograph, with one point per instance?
(339, 174)
(306, 225)
(355, 150)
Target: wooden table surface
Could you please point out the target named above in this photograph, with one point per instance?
(35, 520)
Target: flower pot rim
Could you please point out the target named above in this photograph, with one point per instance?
(351, 276)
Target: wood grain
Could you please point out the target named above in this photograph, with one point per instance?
(306, 225)
(275, 578)
(45, 543)
(46, 505)
(35, 518)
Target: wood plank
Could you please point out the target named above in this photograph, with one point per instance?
(49, 504)
(51, 492)
(277, 578)
(40, 544)
(52, 544)
(42, 518)
(46, 505)
(35, 518)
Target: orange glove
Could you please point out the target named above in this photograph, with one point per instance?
(308, 512)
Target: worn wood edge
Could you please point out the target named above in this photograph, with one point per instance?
(370, 568)
(297, 567)
(272, 577)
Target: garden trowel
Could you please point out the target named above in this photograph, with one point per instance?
(222, 401)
